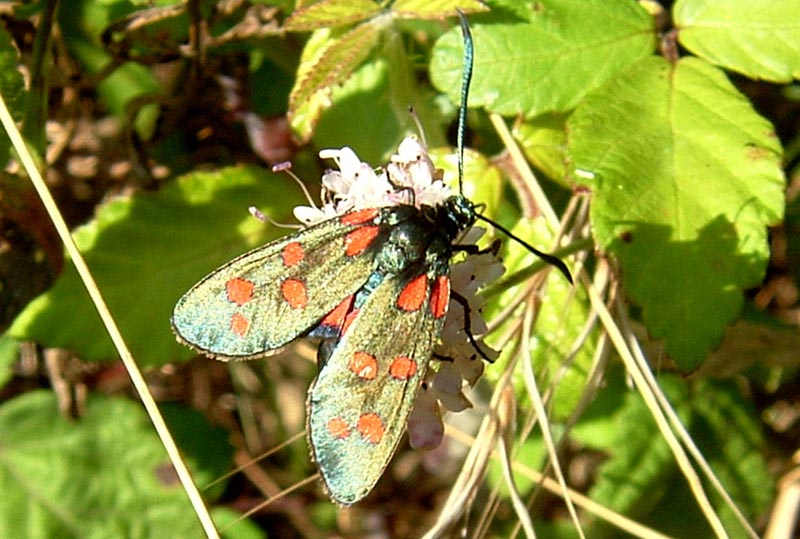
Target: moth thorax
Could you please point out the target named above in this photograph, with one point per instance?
(405, 246)
(437, 257)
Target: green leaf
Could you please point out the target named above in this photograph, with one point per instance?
(435, 9)
(9, 352)
(685, 179)
(370, 113)
(128, 83)
(362, 117)
(728, 432)
(547, 58)
(758, 39)
(147, 250)
(544, 142)
(634, 478)
(331, 13)
(597, 426)
(641, 479)
(105, 475)
(328, 59)
(123, 86)
(204, 447)
(231, 526)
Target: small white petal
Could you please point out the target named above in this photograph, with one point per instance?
(425, 428)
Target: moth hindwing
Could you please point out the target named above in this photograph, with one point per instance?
(365, 390)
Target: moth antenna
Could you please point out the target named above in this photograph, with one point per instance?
(286, 167)
(466, 79)
(550, 259)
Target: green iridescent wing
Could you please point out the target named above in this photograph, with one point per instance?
(271, 295)
(361, 400)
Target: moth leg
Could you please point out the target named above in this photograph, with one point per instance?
(472, 249)
(404, 188)
(468, 324)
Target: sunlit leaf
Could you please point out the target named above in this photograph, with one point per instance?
(327, 60)
(758, 39)
(547, 61)
(686, 207)
(435, 9)
(331, 13)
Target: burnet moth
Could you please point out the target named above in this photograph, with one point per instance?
(371, 277)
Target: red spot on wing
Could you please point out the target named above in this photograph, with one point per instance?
(359, 217)
(351, 316)
(413, 295)
(239, 290)
(292, 254)
(371, 427)
(337, 427)
(403, 368)
(363, 365)
(337, 317)
(440, 296)
(239, 324)
(357, 241)
(295, 293)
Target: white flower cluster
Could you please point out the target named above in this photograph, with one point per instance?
(408, 178)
